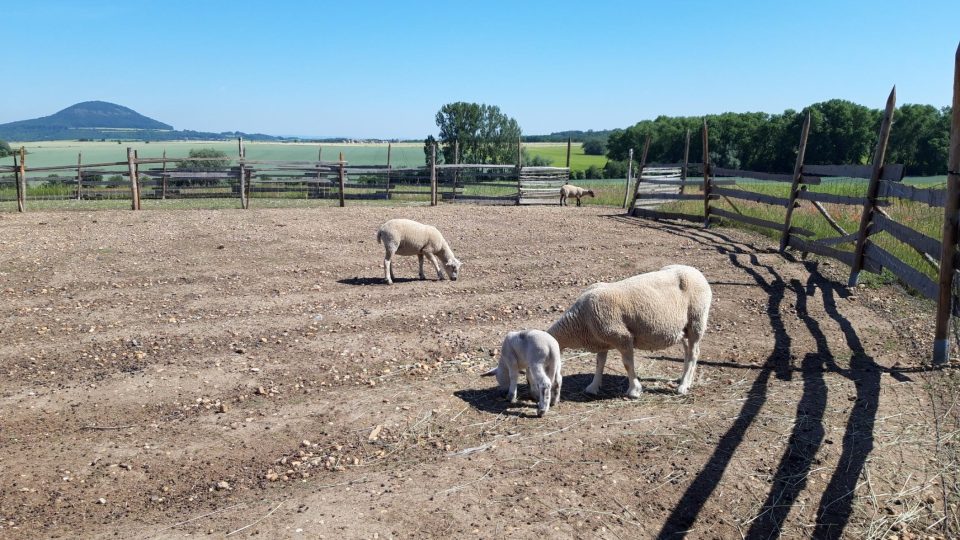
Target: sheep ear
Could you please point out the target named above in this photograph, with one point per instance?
(491, 373)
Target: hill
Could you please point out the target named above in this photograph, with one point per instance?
(95, 120)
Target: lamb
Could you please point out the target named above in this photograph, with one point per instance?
(649, 311)
(538, 353)
(408, 237)
(570, 190)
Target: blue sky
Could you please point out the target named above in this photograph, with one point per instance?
(383, 69)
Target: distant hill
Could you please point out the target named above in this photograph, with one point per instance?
(102, 120)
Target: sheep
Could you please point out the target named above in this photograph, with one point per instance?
(537, 353)
(408, 237)
(650, 311)
(570, 190)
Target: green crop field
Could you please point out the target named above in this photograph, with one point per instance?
(52, 153)
(557, 154)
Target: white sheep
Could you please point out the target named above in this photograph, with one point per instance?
(649, 311)
(570, 190)
(408, 237)
(538, 354)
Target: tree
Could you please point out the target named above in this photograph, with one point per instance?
(482, 133)
(594, 147)
(204, 159)
(536, 160)
(5, 149)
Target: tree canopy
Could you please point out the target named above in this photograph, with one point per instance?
(483, 133)
(840, 132)
(5, 149)
(199, 160)
(594, 147)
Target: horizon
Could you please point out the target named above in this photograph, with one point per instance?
(551, 66)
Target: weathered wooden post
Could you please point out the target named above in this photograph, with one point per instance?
(519, 169)
(626, 188)
(948, 245)
(569, 144)
(686, 163)
(389, 149)
(456, 171)
(134, 182)
(639, 175)
(343, 179)
(163, 178)
(240, 147)
(706, 175)
(20, 172)
(79, 175)
(795, 186)
(870, 201)
(433, 174)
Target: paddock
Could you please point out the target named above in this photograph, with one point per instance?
(169, 373)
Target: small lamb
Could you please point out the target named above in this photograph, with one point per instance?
(570, 190)
(537, 353)
(649, 311)
(408, 237)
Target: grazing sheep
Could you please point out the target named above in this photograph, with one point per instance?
(570, 190)
(408, 237)
(649, 311)
(537, 353)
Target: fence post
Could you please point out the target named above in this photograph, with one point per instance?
(240, 147)
(871, 199)
(343, 174)
(626, 188)
(163, 178)
(20, 172)
(519, 168)
(569, 143)
(707, 185)
(948, 246)
(643, 163)
(389, 150)
(686, 162)
(134, 184)
(795, 186)
(456, 171)
(433, 174)
(79, 175)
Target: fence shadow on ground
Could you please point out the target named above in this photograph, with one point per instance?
(808, 434)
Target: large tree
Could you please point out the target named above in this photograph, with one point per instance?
(482, 132)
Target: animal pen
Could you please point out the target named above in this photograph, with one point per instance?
(247, 180)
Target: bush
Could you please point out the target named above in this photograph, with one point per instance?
(594, 147)
(615, 169)
(203, 160)
(593, 173)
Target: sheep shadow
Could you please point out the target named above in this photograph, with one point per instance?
(373, 281)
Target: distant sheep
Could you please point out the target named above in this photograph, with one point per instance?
(537, 353)
(649, 311)
(570, 190)
(408, 237)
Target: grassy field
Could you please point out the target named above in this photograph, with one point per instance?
(557, 154)
(52, 153)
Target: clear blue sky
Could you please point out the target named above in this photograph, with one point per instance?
(382, 69)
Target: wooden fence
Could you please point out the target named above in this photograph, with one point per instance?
(246, 180)
(858, 248)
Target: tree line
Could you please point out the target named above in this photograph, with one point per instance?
(840, 132)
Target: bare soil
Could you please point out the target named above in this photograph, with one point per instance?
(183, 373)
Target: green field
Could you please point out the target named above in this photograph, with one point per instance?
(557, 154)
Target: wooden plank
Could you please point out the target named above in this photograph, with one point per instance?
(915, 239)
(659, 214)
(904, 272)
(835, 199)
(852, 237)
(720, 171)
(930, 197)
(795, 186)
(676, 196)
(819, 248)
(20, 178)
(751, 196)
(643, 163)
(626, 187)
(707, 173)
(893, 172)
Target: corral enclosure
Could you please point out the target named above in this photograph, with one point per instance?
(203, 371)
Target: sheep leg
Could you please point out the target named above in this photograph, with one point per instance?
(514, 375)
(633, 387)
(420, 258)
(578, 201)
(556, 389)
(436, 265)
(387, 269)
(594, 387)
(691, 351)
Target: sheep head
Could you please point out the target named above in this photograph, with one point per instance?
(453, 268)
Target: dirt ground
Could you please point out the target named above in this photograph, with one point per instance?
(247, 373)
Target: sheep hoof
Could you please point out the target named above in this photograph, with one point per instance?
(683, 390)
(592, 390)
(634, 393)
(540, 413)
